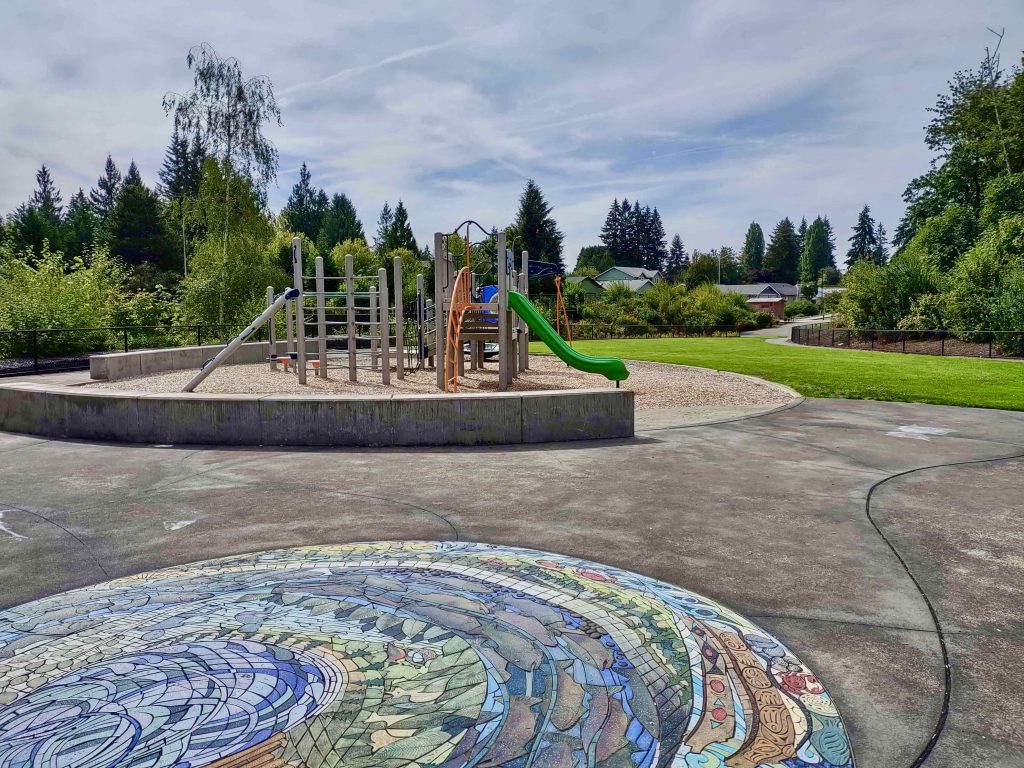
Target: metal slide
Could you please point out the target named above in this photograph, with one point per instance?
(255, 325)
(609, 367)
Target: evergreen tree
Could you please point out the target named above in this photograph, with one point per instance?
(538, 228)
(782, 257)
(338, 224)
(655, 253)
(633, 234)
(47, 198)
(611, 232)
(180, 177)
(678, 259)
(401, 232)
(38, 220)
(80, 227)
(305, 207)
(133, 176)
(136, 229)
(881, 249)
(752, 258)
(830, 236)
(181, 172)
(593, 257)
(863, 242)
(801, 232)
(104, 194)
(816, 257)
(382, 240)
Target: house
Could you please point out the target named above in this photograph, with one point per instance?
(588, 285)
(785, 291)
(639, 286)
(765, 297)
(627, 274)
(828, 290)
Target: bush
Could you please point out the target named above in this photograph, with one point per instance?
(983, 284)
(1004, 196)
(943, 239)
(47, 296)
(764, 320)
(880, 297)
(800, 308)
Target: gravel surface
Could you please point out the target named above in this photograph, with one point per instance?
(656, 385)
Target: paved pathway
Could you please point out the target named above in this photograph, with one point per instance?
(766, 514)
(783, 329)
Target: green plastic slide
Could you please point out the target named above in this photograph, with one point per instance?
(609, 367)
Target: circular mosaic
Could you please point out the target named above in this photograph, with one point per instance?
(400, 654)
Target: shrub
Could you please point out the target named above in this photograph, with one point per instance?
(46, 296)
(800, 308)
(879, 297)
(1004, 196)
(985, 280)
(945, 238)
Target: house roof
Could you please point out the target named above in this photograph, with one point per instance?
(636, 273)
(633, 285)
(756, 289)
(577, 279)
(765, 299)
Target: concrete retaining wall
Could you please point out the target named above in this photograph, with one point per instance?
(127, 365)
(409, 420)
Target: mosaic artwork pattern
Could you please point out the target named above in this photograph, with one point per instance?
(398, 654)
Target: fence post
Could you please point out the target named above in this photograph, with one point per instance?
(903, 338)
(385, 326)
(126, 339)
(350, 316)
(990, 345)
(35, 351)
(942, 345)
(321, 317)
(399, 319)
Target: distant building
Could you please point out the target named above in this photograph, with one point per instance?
(786, 291)
(588, 285)
(827, 291)
(765, 297)
(627, 274)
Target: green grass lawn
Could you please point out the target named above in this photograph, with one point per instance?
(824, 372)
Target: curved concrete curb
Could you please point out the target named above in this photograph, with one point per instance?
(301, 420)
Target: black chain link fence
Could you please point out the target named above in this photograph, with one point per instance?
(49, 350)
(995, 344)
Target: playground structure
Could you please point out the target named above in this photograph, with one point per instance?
(353, 322)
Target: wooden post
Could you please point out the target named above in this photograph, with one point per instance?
(513, 329)
(421, 341)
(271, 338)
(350, 317)
(374, 318)
(524, 346)
(300, 311)
(399, 322)
(289, 330)
(321, 318)
(385, 333)
(504, 337)
(440, 319)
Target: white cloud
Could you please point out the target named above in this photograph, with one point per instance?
(718, 113)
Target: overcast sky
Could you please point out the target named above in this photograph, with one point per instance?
(718, 113)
